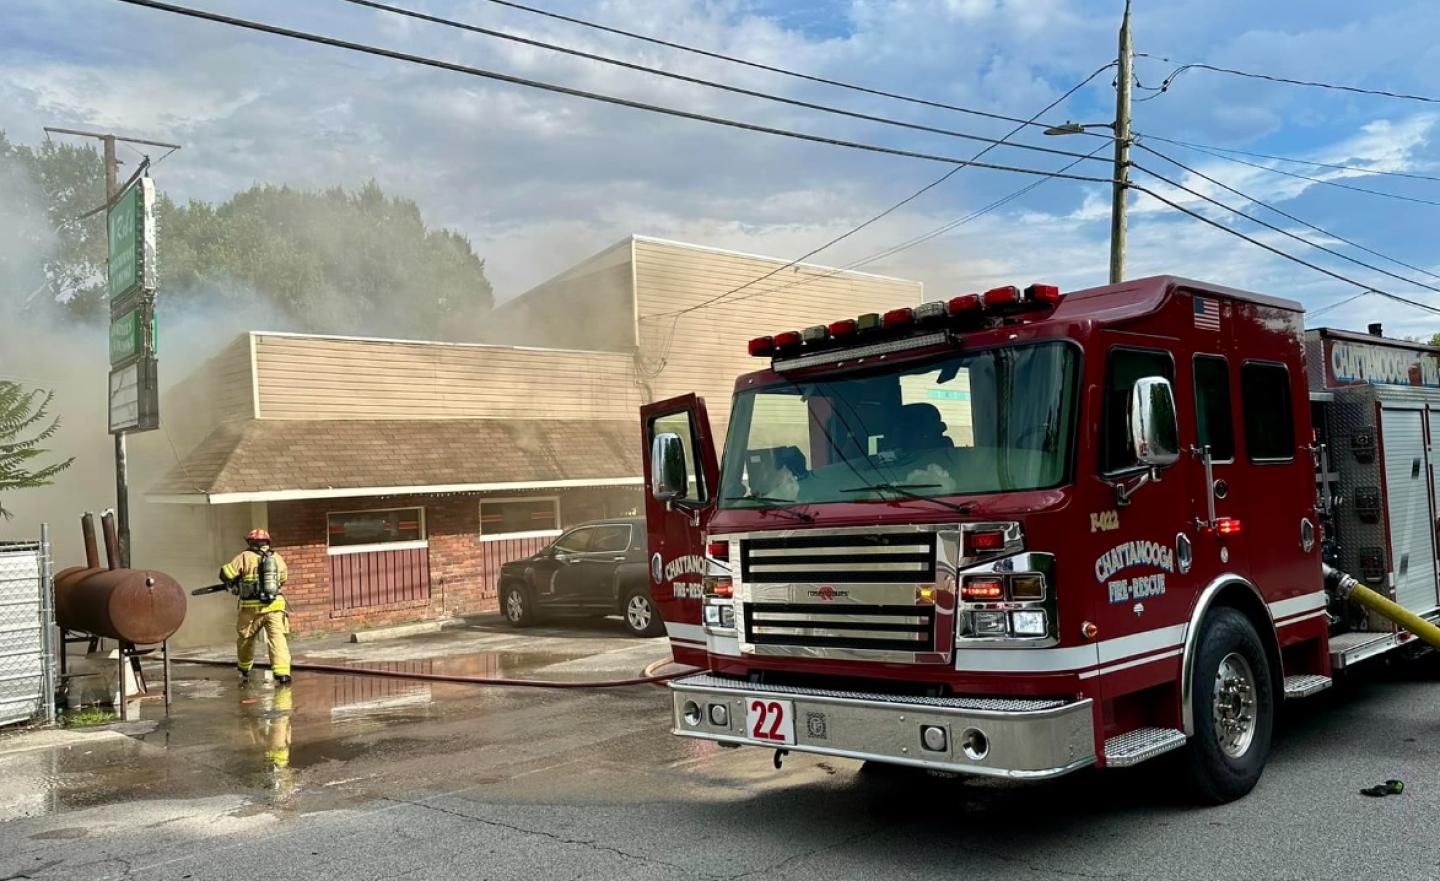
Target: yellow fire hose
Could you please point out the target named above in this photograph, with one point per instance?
(1347, 587)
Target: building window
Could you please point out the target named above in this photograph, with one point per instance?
(519, 518)
(1269, 418)
(394, 529)
(1213, 425)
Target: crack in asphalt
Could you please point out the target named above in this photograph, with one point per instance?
(525, 830)
(839, 844)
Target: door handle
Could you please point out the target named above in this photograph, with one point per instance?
(620, 559)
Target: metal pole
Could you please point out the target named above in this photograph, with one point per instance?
(47, 621)
(1122, 151)
(122, 466)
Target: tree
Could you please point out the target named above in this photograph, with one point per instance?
(1435, 340)
(20, 416)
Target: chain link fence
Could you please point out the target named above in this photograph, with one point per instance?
(27, 630)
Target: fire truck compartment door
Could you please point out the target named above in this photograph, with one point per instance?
(675, 531)
(1407, 501)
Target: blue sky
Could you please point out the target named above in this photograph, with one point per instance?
(538, 180)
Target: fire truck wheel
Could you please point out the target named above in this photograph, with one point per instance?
(1234, 709)
(516, 606)
(640, 614)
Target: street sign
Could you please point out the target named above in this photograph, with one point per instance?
(131, 230)
(135, 397)
(127, 332)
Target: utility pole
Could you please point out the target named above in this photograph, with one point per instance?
(122, 466)
(1123, 79)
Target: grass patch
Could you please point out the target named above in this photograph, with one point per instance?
(86, 717)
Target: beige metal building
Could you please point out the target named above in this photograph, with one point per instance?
(398, 475)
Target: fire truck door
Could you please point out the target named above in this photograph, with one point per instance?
(676, 529)
(1212, 382)
(1407, 506)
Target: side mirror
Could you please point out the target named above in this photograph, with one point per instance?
(668, 480)
(1154, 432)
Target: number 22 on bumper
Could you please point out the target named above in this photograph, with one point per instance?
(770, 721)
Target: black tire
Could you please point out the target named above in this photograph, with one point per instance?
(640, 615)
(516, 605)
(1226, 756)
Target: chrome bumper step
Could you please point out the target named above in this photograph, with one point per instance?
(1134, 747)
(1306, 685)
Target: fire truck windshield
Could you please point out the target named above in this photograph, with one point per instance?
(997, 420)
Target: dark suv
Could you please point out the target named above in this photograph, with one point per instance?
(594, 569)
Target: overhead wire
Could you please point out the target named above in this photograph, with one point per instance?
(1274, 227)
(1196, 65)
(1315, 180)
(1337, 304)
(1305, 223)
(1331, 165)
(745, 62)
(710, 84)
(699, 117)
(910, 198)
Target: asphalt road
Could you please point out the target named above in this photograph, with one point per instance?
(479, 783)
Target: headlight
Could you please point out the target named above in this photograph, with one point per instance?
(712, 616)
(1028, 622)
(727, 616)
(989, 623)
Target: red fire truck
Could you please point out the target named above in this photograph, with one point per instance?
(1022, 532)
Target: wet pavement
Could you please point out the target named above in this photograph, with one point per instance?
(342, 776)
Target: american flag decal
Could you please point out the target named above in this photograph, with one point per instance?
(1207, 314)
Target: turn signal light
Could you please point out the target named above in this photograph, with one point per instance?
(1227, 526)
(980, 589)
(762, 346)
(987, 541)
(718, 586)
(790, 339)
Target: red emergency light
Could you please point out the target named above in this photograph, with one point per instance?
(790, 339)
(993, 540)
(720, 550)
(762, 346)
(1227, 526)
(1047, 294)
(981, 589)
(965, 304)
(845, 327)
(1002, 296)
(903, 317)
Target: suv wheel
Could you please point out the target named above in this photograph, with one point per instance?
(641, 616)
(515, 605)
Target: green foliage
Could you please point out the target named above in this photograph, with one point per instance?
(332, 261)
(1435, 340)
(21, 434)
(70, 181)
(87, 717)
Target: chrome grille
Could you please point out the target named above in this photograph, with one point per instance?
(853, 626)
(859, 558)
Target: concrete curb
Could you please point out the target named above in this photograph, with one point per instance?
(402, 630)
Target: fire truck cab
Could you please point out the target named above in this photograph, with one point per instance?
(1015, 533)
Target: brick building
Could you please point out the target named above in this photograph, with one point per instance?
(398, 475)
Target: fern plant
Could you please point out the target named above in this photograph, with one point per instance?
(23, 428)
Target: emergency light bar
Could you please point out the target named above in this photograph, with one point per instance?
(833, 342)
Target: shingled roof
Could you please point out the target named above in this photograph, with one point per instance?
(265, 458)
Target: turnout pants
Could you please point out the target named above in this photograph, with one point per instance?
(248, 625)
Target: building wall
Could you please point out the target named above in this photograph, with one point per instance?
(307, 377)
(219, 390)
(463, 568)
(590, 306)
(704, 351)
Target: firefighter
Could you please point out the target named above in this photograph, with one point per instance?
(257, 575)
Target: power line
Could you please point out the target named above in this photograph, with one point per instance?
(905, 201)
(1288, 216)
(1195, 65)
(867, 90)
(453, 67)
(1314, 180)
(1338, 303)
(1356, 168)
(683, 114)
(711, 84)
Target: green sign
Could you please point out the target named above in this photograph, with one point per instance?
(131, 233)
(126, 340)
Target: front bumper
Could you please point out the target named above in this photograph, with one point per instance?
(1025, 738)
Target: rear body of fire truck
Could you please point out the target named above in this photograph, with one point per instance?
(1012, 534)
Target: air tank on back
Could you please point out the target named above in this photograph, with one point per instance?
(138, 606)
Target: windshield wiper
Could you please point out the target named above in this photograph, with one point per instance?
(770, 503)
(908, 491)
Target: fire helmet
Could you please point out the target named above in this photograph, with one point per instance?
(258, 537)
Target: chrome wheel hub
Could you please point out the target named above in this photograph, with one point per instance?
(514, 605)
(637, 611)
(1234, 705)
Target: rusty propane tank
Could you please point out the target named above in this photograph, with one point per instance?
(138, 606)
